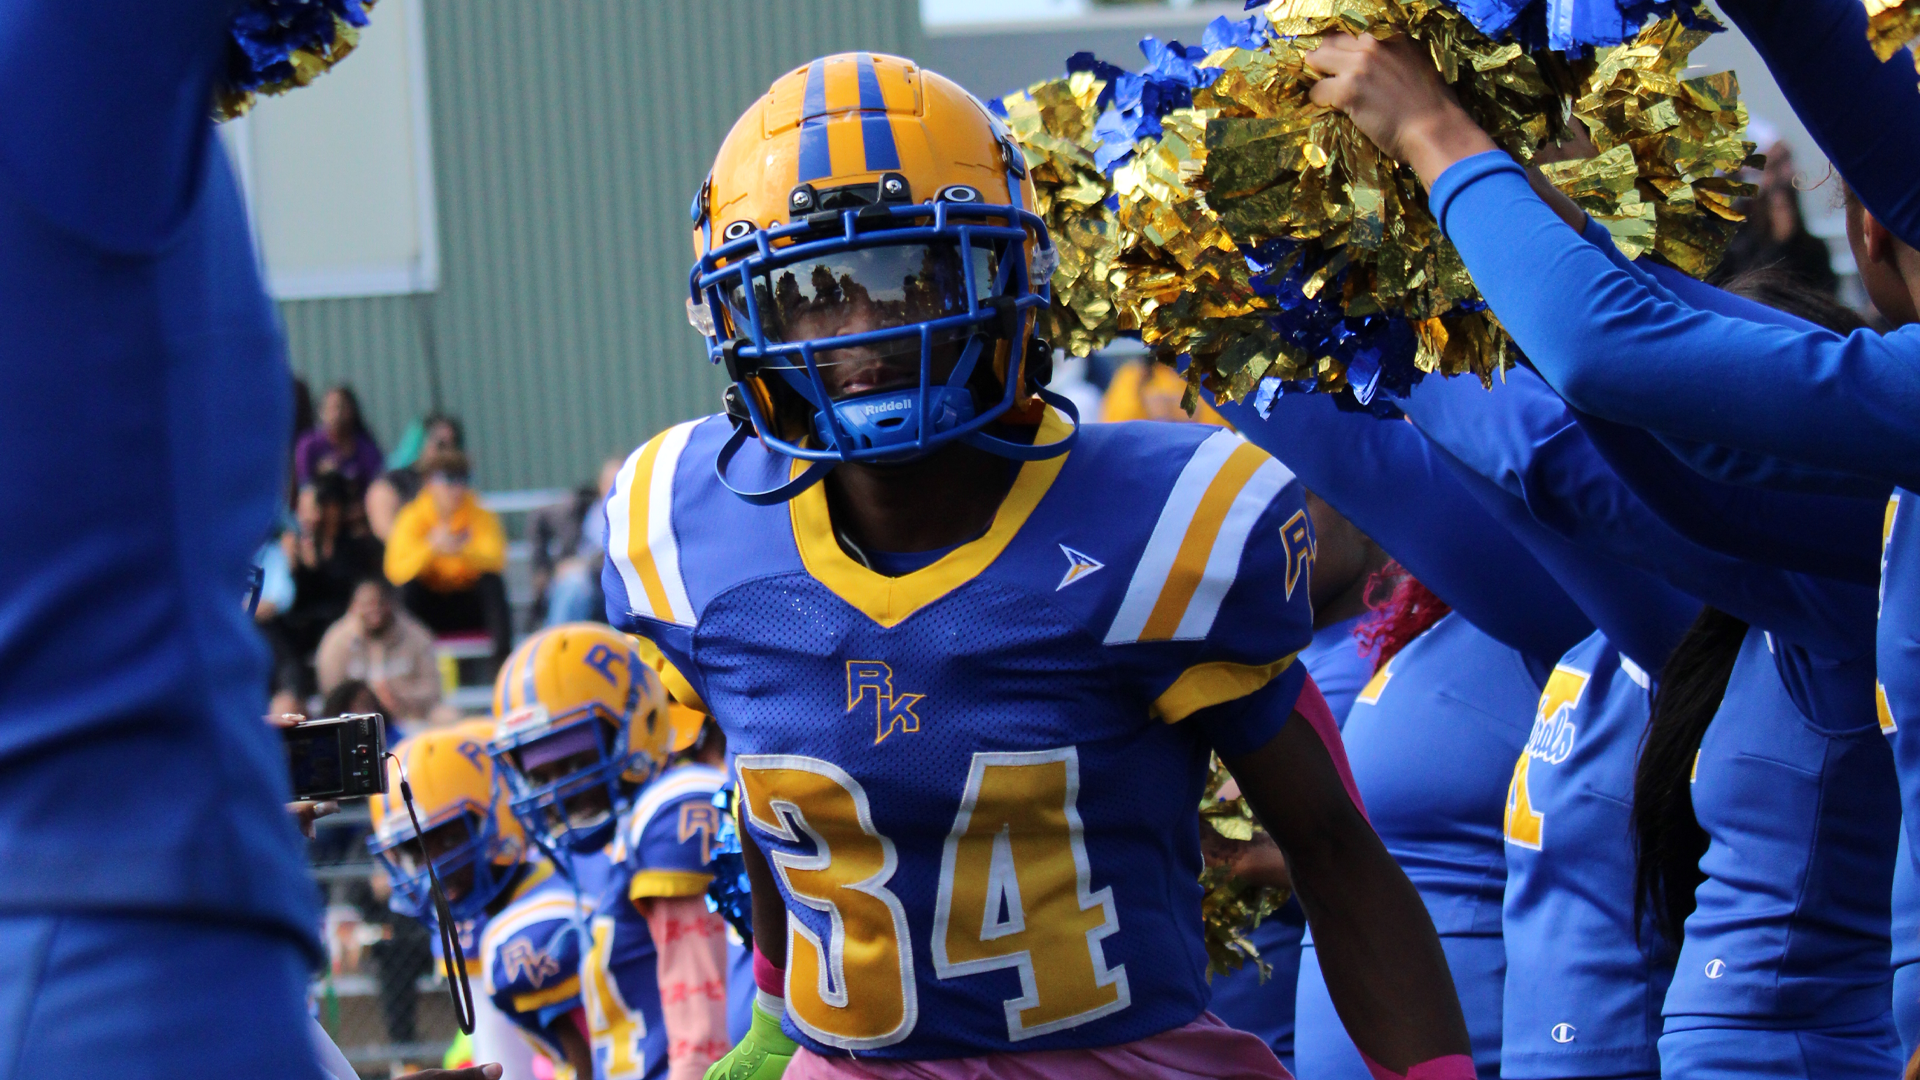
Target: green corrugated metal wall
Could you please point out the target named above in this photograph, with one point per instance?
(569, 137)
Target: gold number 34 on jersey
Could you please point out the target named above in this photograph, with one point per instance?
(1014, 894)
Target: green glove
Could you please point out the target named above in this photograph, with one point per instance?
(762, 1055)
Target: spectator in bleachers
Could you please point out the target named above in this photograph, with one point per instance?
(387, 652)
(1774, 235)
(401, 484)
(327, 554)
(568, 549)
(447, 552)
(339, 443)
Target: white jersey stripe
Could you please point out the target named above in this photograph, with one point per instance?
(652, 497)
(660, 537)
(1156, 562)
(620, 534)
(1223, 562)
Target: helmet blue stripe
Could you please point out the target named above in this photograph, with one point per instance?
(876, 130)
(816, 158)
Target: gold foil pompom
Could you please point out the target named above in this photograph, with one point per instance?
(1892, 25)
(1053, 122)
(1666, 145)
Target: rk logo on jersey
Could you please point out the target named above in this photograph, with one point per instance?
(890, 711)
(524, 962)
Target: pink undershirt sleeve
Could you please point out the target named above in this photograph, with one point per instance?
(692, 970)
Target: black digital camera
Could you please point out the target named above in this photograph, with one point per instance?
(340, 757)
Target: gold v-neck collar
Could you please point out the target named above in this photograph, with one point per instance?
(890, 600)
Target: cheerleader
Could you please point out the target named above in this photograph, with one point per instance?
(1445, 689)
(1616, 347)
(1584, 976)
(1783, 956)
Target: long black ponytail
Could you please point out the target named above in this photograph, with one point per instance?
(1669, 838)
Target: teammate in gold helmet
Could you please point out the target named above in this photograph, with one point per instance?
(581, 723)
(475, 843)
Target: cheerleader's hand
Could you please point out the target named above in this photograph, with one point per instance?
(1392, 92)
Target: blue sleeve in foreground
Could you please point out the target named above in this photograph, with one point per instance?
(104, 110)
(1524, 439)
(1814, 534)
(1863, 113)
(1382, 476)
(1718, 462)
(1643, 617)
(1614, 348)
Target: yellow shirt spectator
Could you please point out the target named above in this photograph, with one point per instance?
(1145, 390)
(445, 538)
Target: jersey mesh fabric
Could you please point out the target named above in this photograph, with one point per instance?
(532, 951)
(999, 672)
(1026, 653)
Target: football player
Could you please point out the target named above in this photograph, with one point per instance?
(584, 736)
(972, 660)
(523, 916)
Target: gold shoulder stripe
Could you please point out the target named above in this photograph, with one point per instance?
(1190, 563)
(1205, 685)
(667, 884)
(552, 995)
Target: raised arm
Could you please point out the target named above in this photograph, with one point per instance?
(1383, 477)
(1521, 437)
(104, 111)
(1607, 343)
(1643, 616)
(1863, 113)
(1816, 534)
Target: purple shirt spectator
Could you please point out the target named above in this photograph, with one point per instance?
(317, 453)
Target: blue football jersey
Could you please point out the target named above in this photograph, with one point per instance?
(1797, 794)
(531, 954)
(663, 848)
(1584, 981)
(973, 780)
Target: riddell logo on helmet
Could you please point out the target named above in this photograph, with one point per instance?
(886, 407)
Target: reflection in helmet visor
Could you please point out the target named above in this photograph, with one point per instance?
(853, 292)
